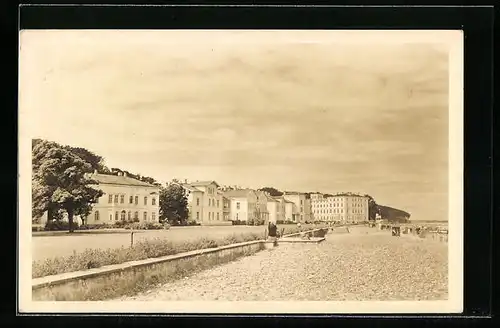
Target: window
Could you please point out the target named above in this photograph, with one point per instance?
(122, 215)
(111, 217)
(116, 216)
(217, 216)
(145, 200)
(145, 216)
(110, 199)
(301, 202)
(238, 205)
(136, 200)
(197, 215)
(209, 216)
(153, 201)
(217, 203)
(96, 216)
(129, 215)
(131, 200)
(153, 216)
(116, 199)
(122, 199)
(136, 215)
(236, 216)
(197, 202)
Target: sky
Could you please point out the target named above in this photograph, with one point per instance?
(302, 111)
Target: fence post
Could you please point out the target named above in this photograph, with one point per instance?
(132, 239)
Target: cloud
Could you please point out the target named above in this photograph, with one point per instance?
(298, 115)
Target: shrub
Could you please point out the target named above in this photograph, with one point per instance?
(37, 228)
(250, 222)
(94, 226)
(95, 258)
(146, 226)
(122, 224)
(58, 225)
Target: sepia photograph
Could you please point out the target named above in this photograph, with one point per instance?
(240, 171)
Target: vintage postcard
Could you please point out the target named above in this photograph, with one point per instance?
(240, 171)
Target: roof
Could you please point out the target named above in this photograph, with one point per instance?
(190, 188)
(288, 201)
(119, 180)
(238, 193)
(271, 199)
(293, 193)
(203, 183)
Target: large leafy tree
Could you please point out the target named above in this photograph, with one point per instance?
(272, 191)
(96, 162)
(60, 181)
(150, 180)
(173, 204)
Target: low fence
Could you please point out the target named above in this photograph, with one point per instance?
(420, 231)
(320, 232)
(133, 277)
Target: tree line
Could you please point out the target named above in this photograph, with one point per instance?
(62, 184)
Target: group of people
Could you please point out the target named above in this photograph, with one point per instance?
(272, 229)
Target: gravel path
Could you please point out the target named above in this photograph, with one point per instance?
(362, 265)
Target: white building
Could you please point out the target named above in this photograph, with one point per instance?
(243, 204)
(339, 208)
(205, 202)
(124, 199)
(302, 205)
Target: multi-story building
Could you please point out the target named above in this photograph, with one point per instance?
(291, 212)
(243, 204)
(195, 203)
(226, 208)
(205, 202)
(302, 204)
(339, 208)
(124, 199)
(262, 210)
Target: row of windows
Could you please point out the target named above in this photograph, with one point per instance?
(211, 216)
(329, 200)
(211, 202)
(123, 215)
(335, 205)
(131, 200)
(343, 217)
(338, 210)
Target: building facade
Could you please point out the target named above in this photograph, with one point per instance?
(291, 213)
(302, 205)
(243, 205)
(124, 199)
(339, 208)
(262, 209)
(205, 202)
(195, 203)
